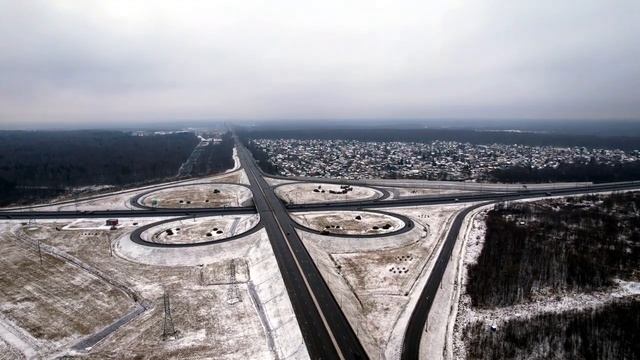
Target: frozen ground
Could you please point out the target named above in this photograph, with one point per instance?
(198, 196)
(348, 222)
(402, 192)
(210, 228)
(275, 181)
(238, 308)
(308, 193)
(227, 301)
(453, 185)
(236, 161)
(377, 280)
(49, 305)
(463, 185)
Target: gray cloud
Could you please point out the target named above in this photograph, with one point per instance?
(84, 61)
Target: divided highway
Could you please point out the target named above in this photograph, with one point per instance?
(418, 319)
(124, 213)
(463, 198)
(325, 329)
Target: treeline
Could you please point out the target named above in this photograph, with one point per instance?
(42, 164)
(262, 159)
(609, 332)
(459, 135)
(597, 173)
(215, 157)
(553, 247)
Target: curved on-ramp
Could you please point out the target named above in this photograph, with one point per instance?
(407, 226)
(135, 200)
(137, 238)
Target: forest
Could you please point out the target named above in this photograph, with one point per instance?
(608, 332)
(43, 164)
(262, 158)
(215, 158)
(597, 173)
(551, 246)
(628, 143)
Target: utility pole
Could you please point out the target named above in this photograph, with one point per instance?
(233, 293)
(168, 330)
(109, 243)
(39, 252)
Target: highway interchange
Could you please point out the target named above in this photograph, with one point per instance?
(325, 328)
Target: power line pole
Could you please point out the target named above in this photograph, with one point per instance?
(233, 293)
(39, 252)
(168, 331)
(109, 243)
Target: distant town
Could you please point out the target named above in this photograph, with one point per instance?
(437, 160)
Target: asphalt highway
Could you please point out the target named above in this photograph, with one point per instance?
(95, 197)
(135, 200)
(418, 319)
(385, 193)
(325, 329)
(137, 238)
(465, 198)
(124, 213)
(407, 226)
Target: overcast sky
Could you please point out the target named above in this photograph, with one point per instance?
(86, 61)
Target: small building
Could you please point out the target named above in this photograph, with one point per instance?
(112, 222)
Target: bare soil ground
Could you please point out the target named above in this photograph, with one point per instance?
(349, 222)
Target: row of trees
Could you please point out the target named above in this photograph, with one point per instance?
(553, 247)
(262, 158)
(609, 332)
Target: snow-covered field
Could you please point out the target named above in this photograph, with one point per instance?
(275, 181)
(51, 303)
(349, 222)
(227, 300)
(402, 192)
(198, 196)
(309, 193)
(202, 229)
(377, 280)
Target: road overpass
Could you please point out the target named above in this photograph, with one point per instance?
(326, 331)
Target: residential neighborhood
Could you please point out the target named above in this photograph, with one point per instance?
(438, 160)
